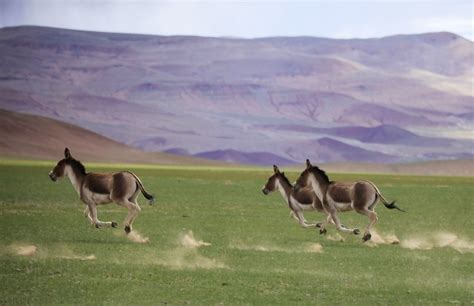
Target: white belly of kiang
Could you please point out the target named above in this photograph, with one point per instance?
(303, 207)
(101, 198)
(342, 206)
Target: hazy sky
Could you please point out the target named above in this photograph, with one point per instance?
(259, 18)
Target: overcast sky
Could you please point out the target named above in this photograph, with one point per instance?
(259, 18)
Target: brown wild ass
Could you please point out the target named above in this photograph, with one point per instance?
(298, 201)
(94, 189)
(361, 196)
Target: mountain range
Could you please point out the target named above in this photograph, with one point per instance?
(259, 101)
(25, 136)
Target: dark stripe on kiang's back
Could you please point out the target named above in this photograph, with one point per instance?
(97, 183)
(340, 194)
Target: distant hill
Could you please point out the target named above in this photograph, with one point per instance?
(402, 98)
(34, 137)
(249, 158)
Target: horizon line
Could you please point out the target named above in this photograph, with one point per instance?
(239, 37)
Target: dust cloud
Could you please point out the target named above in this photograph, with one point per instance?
(60, 251)
(23, 249)
(188, 240)
(186, 258)
(335, 237)
(65, 252)
(133, 236)
(266, 247)
(378, 238)
(186, 255)
(439, 240)
(136, 237)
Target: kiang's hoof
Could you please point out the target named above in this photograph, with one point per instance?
(127, 229)
(97, 226)
(114, 224)
(367, 237)
(319, 225)
(356, 231)
(323, 231)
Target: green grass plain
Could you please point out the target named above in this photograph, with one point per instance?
(258, 254)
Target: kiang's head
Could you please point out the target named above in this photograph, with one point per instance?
(68, 162)
(271, 184)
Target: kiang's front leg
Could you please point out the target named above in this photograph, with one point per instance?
(302, 221)
(325, 223)
(331, 221)
(293, 215)
(339, 226)
(322, 226)
(87, 214)
(92, 208)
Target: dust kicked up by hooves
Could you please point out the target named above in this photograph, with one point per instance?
(439, 240)
(188, 240)
(266, 247)
(186, 255)
(378, 238)
(136, 237)
(425, 242)
(24, 250)
(56, 251)
(133, 236)
(335, 237)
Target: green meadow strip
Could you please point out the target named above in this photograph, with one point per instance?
(43, 163)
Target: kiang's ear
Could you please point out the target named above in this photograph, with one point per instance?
(308, 164)
(275, 169)
(67, 153)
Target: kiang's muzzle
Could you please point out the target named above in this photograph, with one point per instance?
(265, 191)
(52, 176)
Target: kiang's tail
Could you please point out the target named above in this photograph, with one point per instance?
(149, 197)
(391, 205)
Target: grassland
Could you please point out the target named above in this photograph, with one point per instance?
(258, 254)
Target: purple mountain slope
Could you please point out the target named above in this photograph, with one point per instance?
(177, 151)
(383, 99)
(382, 134)
(388, 134)
(325, 146)
(253, 158)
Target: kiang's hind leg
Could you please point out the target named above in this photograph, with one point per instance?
(367, 209)
(372, 217)
(137, 210)
(133, 210)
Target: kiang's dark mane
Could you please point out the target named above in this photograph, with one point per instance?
(77, 166)
(285, 178)
(316, 171)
